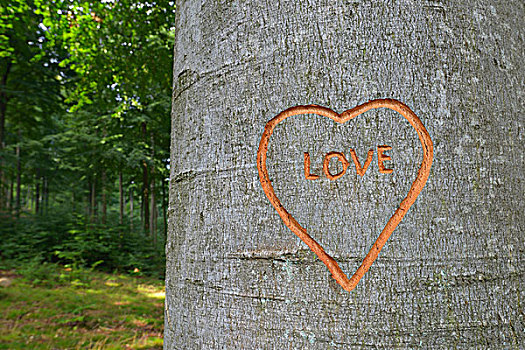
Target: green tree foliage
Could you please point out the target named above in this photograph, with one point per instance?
(85, 97)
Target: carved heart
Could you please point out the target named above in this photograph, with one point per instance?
(415, 189)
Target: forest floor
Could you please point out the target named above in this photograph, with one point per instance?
(57, 307)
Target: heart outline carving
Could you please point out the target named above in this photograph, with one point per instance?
(423, 173)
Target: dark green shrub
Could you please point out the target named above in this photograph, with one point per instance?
(66, 238)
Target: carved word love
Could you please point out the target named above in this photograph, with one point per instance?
(361, 170)
(427, 149)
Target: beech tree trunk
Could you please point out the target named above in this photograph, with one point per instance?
(18, 177)
(451, 275)
(131, 208)
(145, 189)
(45, 195)
(37, 192)
(103, 180)
(164, 209)
(153, 218)
(10, 192)
(93, 205)
(121, 199)
(4, 99)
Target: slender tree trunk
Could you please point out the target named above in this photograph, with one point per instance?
(93, 201)
(4, 99)
(145, 200)
(145, 189)
(164, 209)
(124, 201)
(131, 209)
(88, 201)
(37, 192)
(121, 199)
(152, 211)
(45, 197)
(104, 197)
(29, 198)
(153, 228)
(18, 178)
(142, 211)
(7, 195)
(152, 225)
(451, 275)
(11, 193)
(103, 180)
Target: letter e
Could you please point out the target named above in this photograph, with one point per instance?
(381, 158)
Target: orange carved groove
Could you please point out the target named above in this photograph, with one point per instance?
(326, 162)
(307, 163)
(422, 175)
(381, 158)
(361, 170)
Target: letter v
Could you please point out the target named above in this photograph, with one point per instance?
(361, 170)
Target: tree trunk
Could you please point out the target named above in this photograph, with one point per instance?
(104, 197)
(29, 198)
(18, 178)
(93, 200)
(153, 221)
(11, 193)
(131, 209)
(164, 209)
(452, 273)
(4, 99)
(45, 196)
(88, 202)
(145, 188)
(145, 200)
(121, 199)
(152, 225)
(37, 192)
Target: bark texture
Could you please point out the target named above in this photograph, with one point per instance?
(452, 273)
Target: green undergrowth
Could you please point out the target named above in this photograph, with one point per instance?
(50, 306)
(68, 238)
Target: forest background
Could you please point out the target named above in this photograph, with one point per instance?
(85, 96)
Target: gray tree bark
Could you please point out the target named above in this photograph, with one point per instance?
(452, 273)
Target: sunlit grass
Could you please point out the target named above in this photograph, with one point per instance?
(151, 291)
(95, 311)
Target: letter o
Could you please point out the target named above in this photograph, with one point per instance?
(326, 162)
